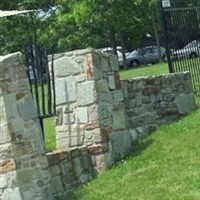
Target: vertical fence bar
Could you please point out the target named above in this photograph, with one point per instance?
(164, 25)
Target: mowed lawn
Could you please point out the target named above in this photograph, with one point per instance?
(164, 166)
(148, 70)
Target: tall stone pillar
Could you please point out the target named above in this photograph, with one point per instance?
(23, 164)
(90, 108)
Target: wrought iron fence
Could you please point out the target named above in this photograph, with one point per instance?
(181, 26)
(41, 78)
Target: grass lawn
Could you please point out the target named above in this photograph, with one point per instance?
(165, 165)
(49, 132)
(149, 70)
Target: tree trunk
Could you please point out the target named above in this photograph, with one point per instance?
(123, 50)
(156, 35)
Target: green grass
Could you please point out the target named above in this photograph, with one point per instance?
(157, 69)
(165, 165)
(49, 132)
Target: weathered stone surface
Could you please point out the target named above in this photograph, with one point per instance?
(107, 114)
(121, 142)
(93, 113)
(86, 93)
(66, 66)
(12, 194)
(7, 165)
(21, 141)
(4, 133)
(65, 90)
(81, 115)
(3, 181)
(69, 118)
(114, 62)
(111, 82)
(102, 85)
(26, 111)
(118, 96)
(80, 78)
(118, 114)
(185, 103)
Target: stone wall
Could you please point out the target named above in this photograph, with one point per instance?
(98, 118)
(156, 100)
(99, 112)
(23, 164)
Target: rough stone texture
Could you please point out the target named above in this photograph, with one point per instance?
(99, 107)
(156, 100)
(109, 114)
(21, 143)
(98, 118)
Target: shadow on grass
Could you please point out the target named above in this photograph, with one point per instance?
(141, 145)
(138, 148)
(70, 196)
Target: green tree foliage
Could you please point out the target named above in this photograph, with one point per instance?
(77, 24)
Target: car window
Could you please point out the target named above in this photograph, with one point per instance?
(149, 50)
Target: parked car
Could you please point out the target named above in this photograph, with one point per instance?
(191, 50)
(145, 55)
(119, 53)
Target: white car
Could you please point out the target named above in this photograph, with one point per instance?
(191, 50)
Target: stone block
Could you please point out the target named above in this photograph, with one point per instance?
(111, 82)
(66, 66)
(65, 90)
(26, 108)
(80, 78)
(11, 106)
(86, 93)
(103, 161)
(69, 118)
(96, 149)
(4, 133)
(3, 181)
(118, 115)
(93, 113)
(102, 85)
(114, 63)
(89, 68)
(105, 64)
(121, 143)
(7, 165)
(185, 103)
(12, 194)
(78, 166)
(118, 95)
(81, 115)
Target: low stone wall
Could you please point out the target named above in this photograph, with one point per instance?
(103, 115)
(69, 169)
(156, 100)
(98, 118)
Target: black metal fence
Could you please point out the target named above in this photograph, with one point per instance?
(41, 77)
(181, 26)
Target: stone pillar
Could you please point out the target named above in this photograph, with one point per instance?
(23, 164)
(90, 109)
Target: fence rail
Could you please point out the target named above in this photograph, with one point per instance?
(181, 27)
(41, 78)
